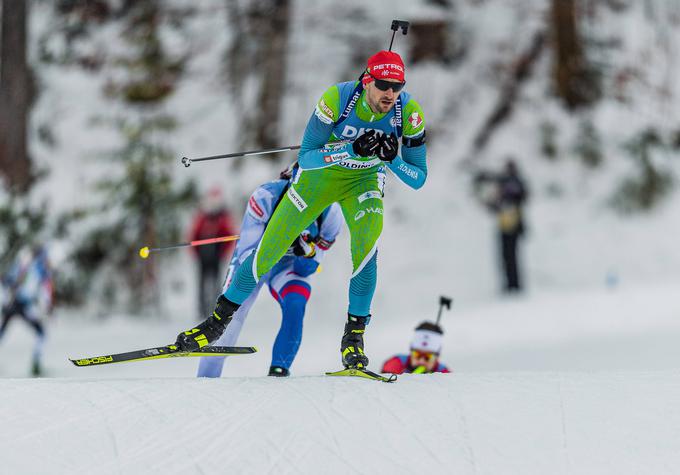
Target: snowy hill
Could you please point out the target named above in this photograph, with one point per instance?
(584, 382)
(528, 423)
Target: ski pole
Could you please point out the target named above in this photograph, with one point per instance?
(443, 302)
(186, 161)
(145, 251)
(396, 24)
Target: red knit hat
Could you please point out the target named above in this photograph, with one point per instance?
(384, 65)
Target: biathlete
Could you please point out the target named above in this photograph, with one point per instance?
(28, 295)
(350, 140)
(289, 280)
(426, 346)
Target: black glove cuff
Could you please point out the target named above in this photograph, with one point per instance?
(414, 142)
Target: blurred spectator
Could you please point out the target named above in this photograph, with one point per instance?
(505, 197)
(212, 220)
(27, 293)
(426, 346)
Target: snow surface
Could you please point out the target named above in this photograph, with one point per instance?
(579, 376)
(581, 382)
(527, 423)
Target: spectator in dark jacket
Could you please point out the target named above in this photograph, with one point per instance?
(506, 199)
(212, 220)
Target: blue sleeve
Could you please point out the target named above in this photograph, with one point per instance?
(258, 213)
(315, 152)
(251, 233)
(412, 168)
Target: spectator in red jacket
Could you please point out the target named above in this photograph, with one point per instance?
(426, 346)
(212, 220)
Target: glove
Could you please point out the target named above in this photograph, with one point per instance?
(302, 247)
(304, 266)
(366, 145)
(387, 147)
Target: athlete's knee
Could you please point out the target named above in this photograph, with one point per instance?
(366, 265)
(38, 327)
(293, 305)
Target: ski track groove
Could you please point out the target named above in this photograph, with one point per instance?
(382, 409)
(27, 436)
(230, 430)
(144, 404)
(102, 415)
(44, 429)
(565, 447)
(281, 453)
(466, 433)
(328, 425)
(245, 413)
(140, 449)
(386, 407)
(332, 401)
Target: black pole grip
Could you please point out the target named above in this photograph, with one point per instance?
(396, 24)
(443, 302)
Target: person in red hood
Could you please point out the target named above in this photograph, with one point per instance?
(212, 220)
(426, 346)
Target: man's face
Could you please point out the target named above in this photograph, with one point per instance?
(426, 359)
(381, 101)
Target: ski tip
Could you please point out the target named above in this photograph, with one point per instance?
(97, 360)
(363, 373)
(78, 362)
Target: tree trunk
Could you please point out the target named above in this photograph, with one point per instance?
(273, 75)
(569, 69)
(15, 96)
(522, 70)
(259, 52)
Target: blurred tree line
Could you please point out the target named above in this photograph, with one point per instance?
(141, 204)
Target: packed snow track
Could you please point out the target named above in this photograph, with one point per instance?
(477, 423)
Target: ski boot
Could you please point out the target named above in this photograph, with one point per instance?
(278, 371)
(210, 329)
(36, 369)
(352, 344)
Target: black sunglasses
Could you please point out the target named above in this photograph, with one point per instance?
(385, 85)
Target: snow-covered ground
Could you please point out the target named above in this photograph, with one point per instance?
(470, 423)
(580, 382)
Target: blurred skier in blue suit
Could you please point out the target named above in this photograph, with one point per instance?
(289, 280)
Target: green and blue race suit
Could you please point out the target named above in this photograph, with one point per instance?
(331, 172)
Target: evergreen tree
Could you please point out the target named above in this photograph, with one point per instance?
(142, 205)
